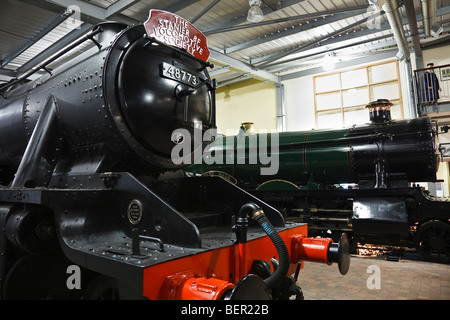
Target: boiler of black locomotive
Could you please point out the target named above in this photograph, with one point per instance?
(113, 108)
(80, 149)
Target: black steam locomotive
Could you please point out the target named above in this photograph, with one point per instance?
(380, 161)
(91, 205)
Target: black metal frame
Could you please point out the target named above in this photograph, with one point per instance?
(405, 208)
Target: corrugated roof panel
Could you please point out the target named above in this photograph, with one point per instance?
(140, 9)
(222, 11)
(52, 37)
(21, 20)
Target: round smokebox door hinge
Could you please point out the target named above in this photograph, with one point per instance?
(135, 211)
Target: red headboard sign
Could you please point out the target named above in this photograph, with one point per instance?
(176, 31)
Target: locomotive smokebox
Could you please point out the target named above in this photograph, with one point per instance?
(153, 99)
(113, 108)
(380, 111)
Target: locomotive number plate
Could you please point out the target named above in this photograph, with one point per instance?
(178, 74)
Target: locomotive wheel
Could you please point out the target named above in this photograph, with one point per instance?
(102, 288)
(31, 230)
(432, 241)
(38, 277)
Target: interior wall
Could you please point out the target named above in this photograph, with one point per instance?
(255, 101)
(299, 103)
(299, 92)
(247, 101)
(439, 56)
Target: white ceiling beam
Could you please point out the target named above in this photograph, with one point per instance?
(85, 8)
(242, 67)
(119, 6)
(243, 18)
(93, 10)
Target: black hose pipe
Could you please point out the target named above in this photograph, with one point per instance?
(241, 225)
(283, 254)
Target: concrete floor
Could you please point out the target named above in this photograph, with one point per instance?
(376, 278)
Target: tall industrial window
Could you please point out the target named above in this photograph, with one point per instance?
(341, 97)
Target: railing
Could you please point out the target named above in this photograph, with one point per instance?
(432, 88)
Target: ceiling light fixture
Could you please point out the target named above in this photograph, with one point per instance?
(436, 30)
(255, 13)
(400, 56)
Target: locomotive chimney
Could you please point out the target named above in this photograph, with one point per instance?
(380, 111)
(247, 127)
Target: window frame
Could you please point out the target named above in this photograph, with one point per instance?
(368, 86)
